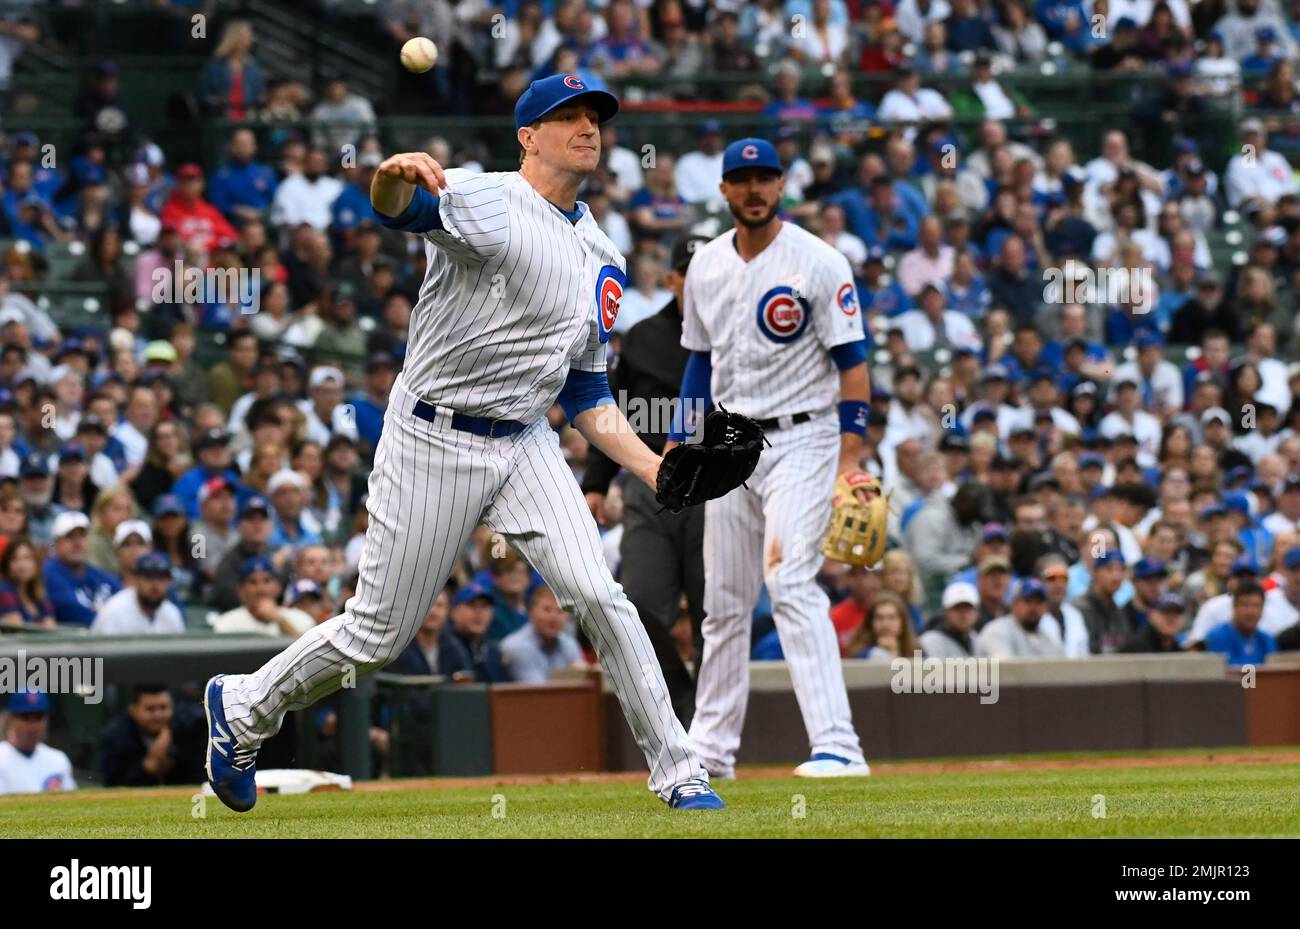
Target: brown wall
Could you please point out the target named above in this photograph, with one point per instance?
(548, 728)
(1273, 707)
(1119, 716)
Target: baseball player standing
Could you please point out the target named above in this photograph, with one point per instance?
(774, 331)
(517, 304)
(27, 764)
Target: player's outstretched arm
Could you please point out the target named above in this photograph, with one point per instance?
(397, 178)
(607, 429)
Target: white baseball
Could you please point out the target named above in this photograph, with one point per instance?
(419, 54)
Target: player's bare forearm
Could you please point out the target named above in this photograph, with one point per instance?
(854, 385)
(607, 429)
(397, 177)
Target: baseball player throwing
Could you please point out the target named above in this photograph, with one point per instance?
(773, 327)
(520, 296)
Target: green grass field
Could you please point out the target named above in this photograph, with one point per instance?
(1176, 800)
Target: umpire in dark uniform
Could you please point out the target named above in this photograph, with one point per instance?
(662, 553)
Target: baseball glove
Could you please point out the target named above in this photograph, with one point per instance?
(725, 456)
(857, 532)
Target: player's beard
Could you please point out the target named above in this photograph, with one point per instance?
(755, 223)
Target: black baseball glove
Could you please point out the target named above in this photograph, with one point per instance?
(725, 456)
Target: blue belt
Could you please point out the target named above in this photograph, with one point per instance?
(478, 425)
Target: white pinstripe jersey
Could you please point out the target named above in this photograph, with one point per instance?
(771, 322)
(514, 296)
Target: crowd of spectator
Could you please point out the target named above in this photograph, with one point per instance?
(1106, 463)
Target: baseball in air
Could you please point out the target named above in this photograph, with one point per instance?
(419, 55)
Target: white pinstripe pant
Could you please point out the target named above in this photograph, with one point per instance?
(772, 532)
(429, 488)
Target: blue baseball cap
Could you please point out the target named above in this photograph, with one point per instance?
(471, 591)
(1169, 602)
(992, 531)
(1244, 564)
(301, 588)
(1112, 556)
(1265, 34)
(1237, 502)
(874, 253)
(168, 505)
(1150, 567)
(1149, 338)
(1091, 460)
(750, 153)
(153, 564)
(1292, 558)
(1240, 472)
(72, 452)
(34, 465)
(1211, 511)
(251, 566)
(546, 94)
(709, 127)
(29, 701)
(1031, 587)
(255, 504)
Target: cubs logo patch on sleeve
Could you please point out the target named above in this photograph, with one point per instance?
(609, 291)
(782, 316)
(847, 298)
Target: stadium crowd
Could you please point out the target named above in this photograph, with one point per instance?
(1089, 420)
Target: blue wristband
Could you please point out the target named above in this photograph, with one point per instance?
(853, 416)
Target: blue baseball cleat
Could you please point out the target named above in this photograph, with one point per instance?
(695, 794)
(231, 772)
(824, 764)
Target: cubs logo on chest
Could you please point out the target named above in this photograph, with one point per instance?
(609, 291)
(782, 314)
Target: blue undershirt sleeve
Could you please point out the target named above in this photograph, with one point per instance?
(849, 354)
(695, 396)
(584, 390)
(420, 215)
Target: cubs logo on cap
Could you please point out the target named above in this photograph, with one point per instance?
(609, 291)
(750, 153)
(546, 94)
(847, 298)
(782, 316)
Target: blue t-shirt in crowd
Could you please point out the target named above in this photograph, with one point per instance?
(1225, 639)
(77, 595)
